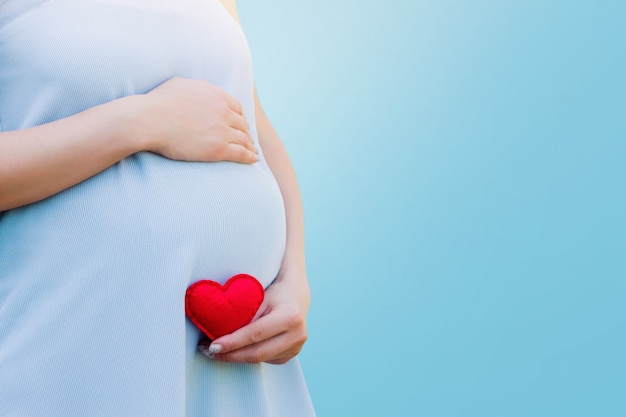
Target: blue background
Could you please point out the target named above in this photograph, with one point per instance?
(462, 166)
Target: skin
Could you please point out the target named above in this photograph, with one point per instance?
(181, 119)
(187, 120)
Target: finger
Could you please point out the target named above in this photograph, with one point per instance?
(238, 137)
(277, 348)
(234, 104)
(238, 153)
(258, 331)
(239, 122)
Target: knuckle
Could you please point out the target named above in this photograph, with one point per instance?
(256, 335)
(215, 149)
(217, 90)
(301, 338)
(222, 96)
(223, 111)
(295, 319)
(241, 137)
(244, 155)
(255, 357)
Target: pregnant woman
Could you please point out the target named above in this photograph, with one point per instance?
(135, 160)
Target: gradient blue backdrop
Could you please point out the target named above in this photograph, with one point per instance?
(463, 169)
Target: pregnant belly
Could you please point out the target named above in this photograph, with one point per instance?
(98, 273)
(197, 220)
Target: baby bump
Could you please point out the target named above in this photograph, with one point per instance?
(211, 220)
(232, 214)
(98, 272)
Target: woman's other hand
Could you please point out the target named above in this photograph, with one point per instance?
(275, 335)
(193, 120)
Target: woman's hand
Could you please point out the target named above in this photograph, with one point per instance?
(275, 335)
(182, 119)
(278, 332)
(192, 120)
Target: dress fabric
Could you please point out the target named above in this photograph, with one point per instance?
(92, 280)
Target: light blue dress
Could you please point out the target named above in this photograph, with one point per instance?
(92, 280)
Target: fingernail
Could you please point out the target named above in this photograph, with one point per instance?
(209, 351)
(214, 349)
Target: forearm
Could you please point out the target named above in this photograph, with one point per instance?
(181, 119)
(278, 161)
(38, 162)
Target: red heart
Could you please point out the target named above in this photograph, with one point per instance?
(218, 310)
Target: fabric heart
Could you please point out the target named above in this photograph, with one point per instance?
(218, 310)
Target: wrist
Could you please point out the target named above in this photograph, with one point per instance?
(293, 264)
(132, 127)
(294, 276)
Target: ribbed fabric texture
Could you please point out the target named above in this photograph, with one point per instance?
(92, 280)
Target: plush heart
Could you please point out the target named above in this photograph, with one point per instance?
(218, 310)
